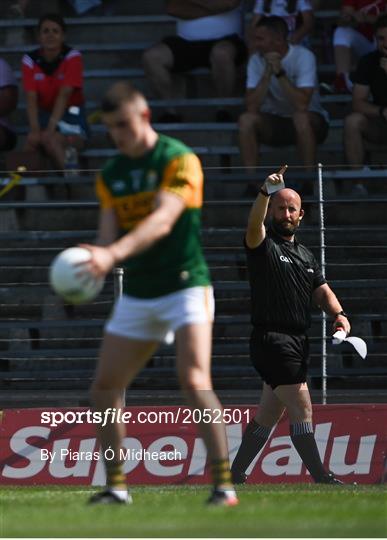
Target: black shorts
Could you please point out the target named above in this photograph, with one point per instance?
(279, 358)
(193, 54)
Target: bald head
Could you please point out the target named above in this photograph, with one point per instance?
(286, 194)
(285, 212)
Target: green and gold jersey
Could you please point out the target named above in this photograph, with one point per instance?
(129, 186)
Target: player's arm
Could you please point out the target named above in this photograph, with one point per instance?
(149, 231)
(256, 232)
(152, 229)
(107, 227)
(326, 299)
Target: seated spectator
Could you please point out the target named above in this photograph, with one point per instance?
(297, 13)
(354, 34)
(283, 104)
(368, 121)
(52, 80)
(8, 103)
(207, 35)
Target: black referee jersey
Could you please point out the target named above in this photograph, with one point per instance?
(282, 276)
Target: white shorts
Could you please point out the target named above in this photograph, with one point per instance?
(349, 37)
(156, 319)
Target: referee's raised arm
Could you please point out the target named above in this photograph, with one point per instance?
(256, 232)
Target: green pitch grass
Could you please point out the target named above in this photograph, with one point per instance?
(264, 511)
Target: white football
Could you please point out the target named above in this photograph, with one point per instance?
(65, 281)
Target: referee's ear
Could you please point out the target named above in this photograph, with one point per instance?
(302, 212)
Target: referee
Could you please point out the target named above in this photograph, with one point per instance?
(285, 280)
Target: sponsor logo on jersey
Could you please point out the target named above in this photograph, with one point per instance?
(151, 180)
(137, 175)
(286, 259)
(118, 186)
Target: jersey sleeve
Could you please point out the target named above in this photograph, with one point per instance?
(29, 83)
(73, 72)
(103, 194)
(183, 176)
(318, 278)
(306, 70)
(260, 250)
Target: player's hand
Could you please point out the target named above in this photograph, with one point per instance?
(341, 323)
(101, 263)
(276, 178)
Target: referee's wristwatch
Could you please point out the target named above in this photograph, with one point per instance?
(342, 313)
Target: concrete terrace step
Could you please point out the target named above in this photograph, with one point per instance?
(227, 320)
(222, 267)
(96, 81)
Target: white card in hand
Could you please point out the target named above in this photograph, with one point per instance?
(272, 188)
(359, 344)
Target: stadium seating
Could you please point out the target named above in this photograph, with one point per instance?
(48, 351)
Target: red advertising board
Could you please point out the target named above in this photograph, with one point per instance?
(162, 445)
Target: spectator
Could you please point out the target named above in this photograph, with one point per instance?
(283, 105)
(368, 121)
(297, 13)
(8, 102)
(52, 80)
(208, 34)
(354, 34)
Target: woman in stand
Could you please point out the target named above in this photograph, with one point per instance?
(52, 81)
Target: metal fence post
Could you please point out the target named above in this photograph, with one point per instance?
(118, 281)
(323, 266)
